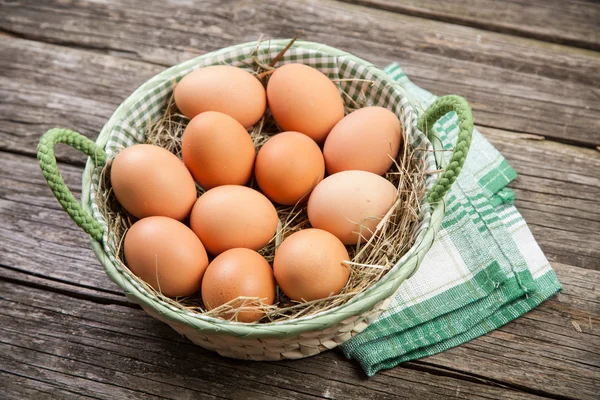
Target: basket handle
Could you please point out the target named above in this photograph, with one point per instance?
(439, 108)
(55, 181)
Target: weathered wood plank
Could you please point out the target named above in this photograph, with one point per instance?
(99, 349)
(42, 281)
(66, 372)
(18, 387)
(557, 193)
(36, 236)
(571, 22)
(43, 86)
(513, 83)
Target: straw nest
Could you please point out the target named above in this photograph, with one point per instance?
(369, 262)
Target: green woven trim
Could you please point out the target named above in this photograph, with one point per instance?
(57, 184)
(435, 112)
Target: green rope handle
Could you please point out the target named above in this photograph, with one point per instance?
(437, 110)
(57, 184)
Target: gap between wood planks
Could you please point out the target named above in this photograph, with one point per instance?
(72, 289)
(541, 19)
(103, 333)
(427, 367)
(75, 45)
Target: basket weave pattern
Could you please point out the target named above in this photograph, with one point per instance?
(274, 349)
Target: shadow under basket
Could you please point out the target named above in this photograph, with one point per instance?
(293, 338)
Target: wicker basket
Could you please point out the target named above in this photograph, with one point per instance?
(295, 338)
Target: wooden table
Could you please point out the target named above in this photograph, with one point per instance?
(531, 70)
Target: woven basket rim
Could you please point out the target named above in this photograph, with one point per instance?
(382, 289)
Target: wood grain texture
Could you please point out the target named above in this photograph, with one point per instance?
(79, 346)
(39, 280)
(553, 91)
(44, 86)
(20, 386)
(571, 22)
(557, 193)
(36, 235)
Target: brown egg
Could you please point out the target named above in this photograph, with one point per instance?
(230, 216)
(350, 203)
(217, 150)
(223, 88)
(165, 254)
(149, 180)
(304, 100)
(235, 273)
(288, 167)
(367, 139)
(308, 265)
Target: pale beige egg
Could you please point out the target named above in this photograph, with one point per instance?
(350, 204)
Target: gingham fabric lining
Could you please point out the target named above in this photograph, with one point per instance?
(130, 129)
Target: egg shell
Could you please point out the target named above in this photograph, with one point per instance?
(367, 139)
(151, 181)
(217, 150)
(230, 216)
(288, 167)
(309, 265)
(223, 88)
(166, 254)
(350, 203)
(235, 273)
(304, 100)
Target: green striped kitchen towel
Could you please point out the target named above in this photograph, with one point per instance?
(483, 270)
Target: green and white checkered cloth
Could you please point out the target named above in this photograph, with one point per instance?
(483, 270)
